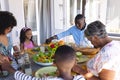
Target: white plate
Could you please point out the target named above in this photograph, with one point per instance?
(82, 58)
(45, 70)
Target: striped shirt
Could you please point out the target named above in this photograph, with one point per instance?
(21, 76)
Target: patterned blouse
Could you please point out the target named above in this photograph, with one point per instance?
(6, 50)
(107, 58)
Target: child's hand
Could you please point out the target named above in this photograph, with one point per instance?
(48, 40)
(78, 69)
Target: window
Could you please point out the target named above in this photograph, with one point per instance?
(30, 17)
(113, 17)
(106, 11)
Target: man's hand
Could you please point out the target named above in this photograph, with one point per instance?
(50, 39)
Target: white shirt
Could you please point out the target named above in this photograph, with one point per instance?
(107, 58)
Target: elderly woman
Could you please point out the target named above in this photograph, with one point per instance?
(105, 65)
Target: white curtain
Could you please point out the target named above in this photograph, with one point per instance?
(38, 17)
(73, 10)
(113, 16)
(44, 19)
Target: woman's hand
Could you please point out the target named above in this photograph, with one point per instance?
(103, 75)
(5, 63)
(3, 58)
(89, 76)
(107, 74)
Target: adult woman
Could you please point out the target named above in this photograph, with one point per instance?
(105, 65)
(7, 22)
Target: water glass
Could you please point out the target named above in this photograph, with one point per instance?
(42, 48)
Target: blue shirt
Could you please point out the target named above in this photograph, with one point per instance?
(78, 35)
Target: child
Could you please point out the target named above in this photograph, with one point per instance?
(26, 41)
(64, 59)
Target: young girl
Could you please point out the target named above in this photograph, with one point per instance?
(26, 41)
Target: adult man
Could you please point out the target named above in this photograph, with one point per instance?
(77, 31)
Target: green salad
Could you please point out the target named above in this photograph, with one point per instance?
(44, 57)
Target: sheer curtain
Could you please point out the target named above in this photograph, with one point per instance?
(44, 14)
(113, 16)
(38, 17)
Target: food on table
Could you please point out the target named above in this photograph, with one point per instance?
(47, 56)
(78, 54)
(88, 51)
(49, 71)
(29, 51)
(46, 71)
(81, 58)
(61, 42)
(43, 57)
(36, 49)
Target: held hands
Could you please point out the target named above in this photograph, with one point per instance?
(5, 63)
(50, 39)
(88, 75)
(79, 69)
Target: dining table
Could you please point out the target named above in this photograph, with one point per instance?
(35, 67)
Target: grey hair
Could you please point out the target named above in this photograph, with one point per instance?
(96, 28)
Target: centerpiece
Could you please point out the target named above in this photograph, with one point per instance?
(46, 58)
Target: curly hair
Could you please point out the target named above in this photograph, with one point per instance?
(96, 28)
(6, 20)
(22, 34)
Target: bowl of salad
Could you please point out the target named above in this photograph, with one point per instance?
(43, 58)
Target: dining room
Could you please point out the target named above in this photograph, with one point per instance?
(49, 24)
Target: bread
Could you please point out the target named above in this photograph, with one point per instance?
(88, 51)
